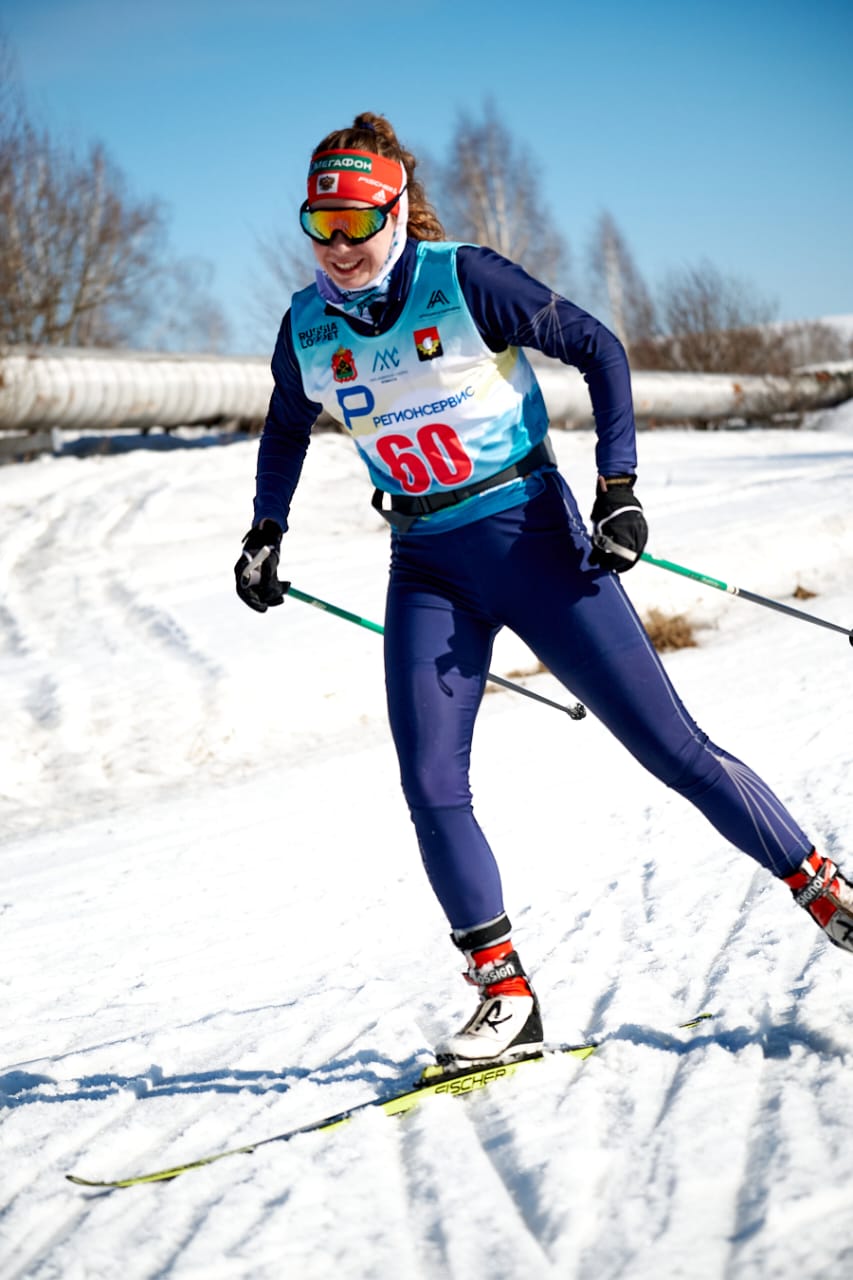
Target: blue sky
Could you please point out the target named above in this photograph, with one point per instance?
(718, 132)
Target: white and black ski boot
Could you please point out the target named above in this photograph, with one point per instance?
(506, 1023)
(822, 890)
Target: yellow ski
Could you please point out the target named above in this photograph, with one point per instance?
(435, 1081)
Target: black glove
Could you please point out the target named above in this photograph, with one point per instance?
(257, 569)
(619, 529)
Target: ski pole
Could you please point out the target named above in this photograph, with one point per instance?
(747, 595)
(577, 712)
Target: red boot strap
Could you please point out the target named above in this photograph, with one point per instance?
(509, 987)
(817, 892)
(813, 875)
(497, 971)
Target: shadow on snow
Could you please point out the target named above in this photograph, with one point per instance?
(20, 1088)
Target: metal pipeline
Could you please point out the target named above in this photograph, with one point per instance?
(101, 391)
(92, 390)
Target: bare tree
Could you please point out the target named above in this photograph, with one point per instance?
(186, 317)
(716, 323)
(82, 261)
(10, 94)
(713, 323)
(617, 280)
(76, 251)
(719, 322)
(11, 119)
(286, 265)
(814, 342)
(489, 193)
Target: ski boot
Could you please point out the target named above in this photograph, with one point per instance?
(506, 1023)
(819, 887)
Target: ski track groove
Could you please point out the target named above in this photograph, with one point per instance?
(82, 1136)
(246, 1232)
(504, 1151)
(369, 1148)
(655, 1170)
(517, 1187)
(23, 1254)
(765, 1141)
(655, 1177)
(133, 1204)
(597, 1261)
(25, 1264)
(424, 1203)
(72, 524)
(519, 1234)
(689, 1047)
(163, 1149)
(760, 1150)
(199, 1217)
(75, 1157)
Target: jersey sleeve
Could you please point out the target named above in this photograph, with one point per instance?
(286, 434)
(511, 308)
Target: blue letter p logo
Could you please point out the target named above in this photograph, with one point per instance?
(355, 402)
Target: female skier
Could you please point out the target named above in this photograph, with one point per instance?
(413, 344)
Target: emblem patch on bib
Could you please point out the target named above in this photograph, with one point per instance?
(428, 343)
(343, 365)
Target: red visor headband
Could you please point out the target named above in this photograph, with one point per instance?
(354, 175)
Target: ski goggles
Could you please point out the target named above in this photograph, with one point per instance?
(355, 225)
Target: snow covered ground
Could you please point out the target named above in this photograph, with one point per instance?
(215, 925)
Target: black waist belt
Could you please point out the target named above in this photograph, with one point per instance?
(406, 508)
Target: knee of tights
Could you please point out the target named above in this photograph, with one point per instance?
(431, 790)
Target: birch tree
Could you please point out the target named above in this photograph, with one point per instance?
(83, 262)
(617, 280)
(491, 192)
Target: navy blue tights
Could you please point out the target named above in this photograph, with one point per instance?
(527, 569)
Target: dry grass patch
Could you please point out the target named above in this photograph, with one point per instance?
(518, 673)
(668, 632)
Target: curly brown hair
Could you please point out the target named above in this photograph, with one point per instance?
(370, 132)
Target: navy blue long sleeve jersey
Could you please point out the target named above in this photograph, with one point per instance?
(509, 308)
